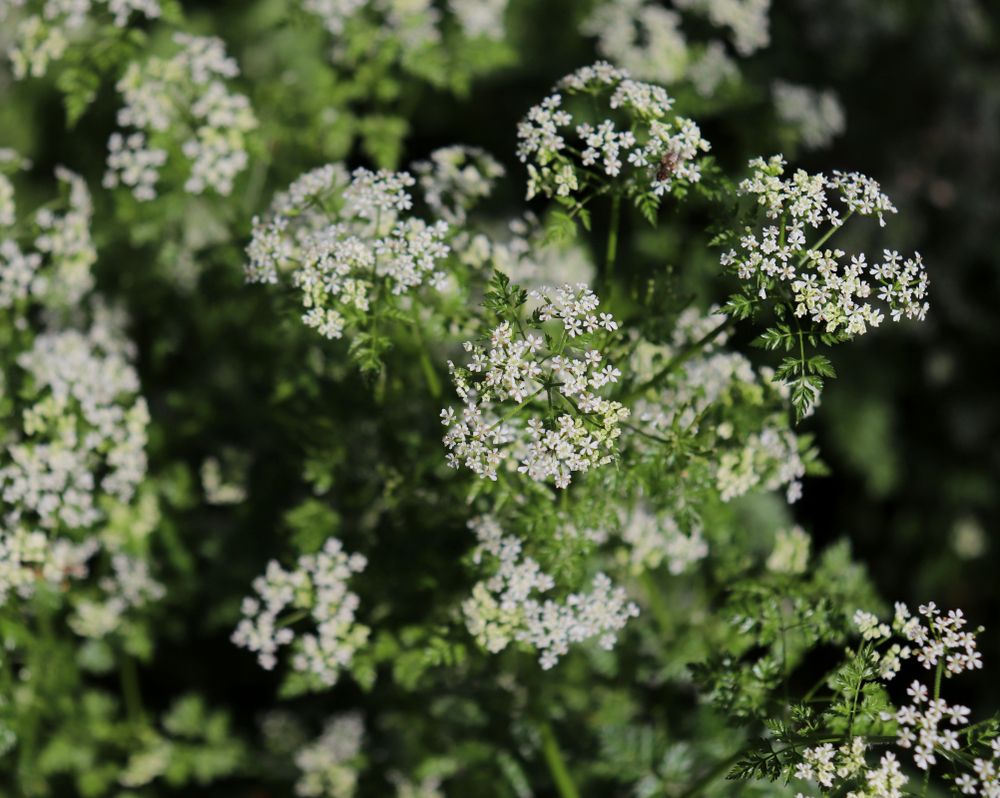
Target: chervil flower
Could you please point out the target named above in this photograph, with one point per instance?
(536, 408)
(319, 586)
(507, 606)
(824, 286)
(181, 102)
(45, 30)
(651, 153)
(349, 245)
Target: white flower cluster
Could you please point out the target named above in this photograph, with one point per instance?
(653, 152)
(57, 273)
(45, 29)
(224, 481)
(506, 606)
(929, 725)
(413, 24)
(768, 456)
(129, 586)
(84, 433)
(347, 244)
(427, 787)
(769, 459)
(9, 161)
(537, 407)
(830, 767)
(455, 179)
(647, 40)
(655, 539)
(817, 116)
(181, 103)
(329, 763)
(30, 557)
(318, 587)
(779, 258)
(746, 19)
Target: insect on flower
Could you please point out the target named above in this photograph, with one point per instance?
(667, 166)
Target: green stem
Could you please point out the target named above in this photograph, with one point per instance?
(825, 237)
(130, 690)
(937, 694)
(515, 411)
(715, 772)
(656, 605)
(612, 250)
(433, 383)
(556, 762)
(680, 358)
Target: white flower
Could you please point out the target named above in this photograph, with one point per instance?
(318, 586)
(507, 606)
(362, 251)
(328, 764)
(184, 101)
(653, 151)
(824, 289)
(536, 407)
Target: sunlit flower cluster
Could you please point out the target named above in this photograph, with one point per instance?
(929, 726)
(653, 152)
(329, 764)
(507, 606)
(832, 767)
(348, 245)
(779, 260)
(816, 116)
(538, 407)
(181, 107)
(318, 588)
(45, 29)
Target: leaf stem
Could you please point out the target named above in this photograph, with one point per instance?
(130, 689)
(680, 358)
(433, 382)
(556, 762)
(611, 252)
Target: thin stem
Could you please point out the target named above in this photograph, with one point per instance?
(825, 237)
(656, 603)
(612, 250)
(715, 772)
(677, 360)
(937, 694)
(433, 383)
(557, 763)
(130, 690)
(515, 411)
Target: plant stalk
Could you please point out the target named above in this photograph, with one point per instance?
(557, 764)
